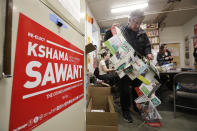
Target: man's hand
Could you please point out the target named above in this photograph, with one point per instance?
(150, 56)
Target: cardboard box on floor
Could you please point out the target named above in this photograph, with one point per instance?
(100, 99)
(98, 90)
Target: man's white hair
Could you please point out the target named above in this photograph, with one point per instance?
(136, 14)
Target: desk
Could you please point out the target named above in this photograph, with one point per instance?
(170, 72)
(167, 78)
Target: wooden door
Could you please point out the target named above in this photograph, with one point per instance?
(174, 48)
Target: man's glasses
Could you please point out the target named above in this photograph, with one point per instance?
(135, 21)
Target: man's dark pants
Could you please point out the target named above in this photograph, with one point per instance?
(128, 93)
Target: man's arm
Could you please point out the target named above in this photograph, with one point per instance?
(148, 52)
(147, 46)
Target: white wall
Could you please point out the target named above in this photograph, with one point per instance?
(173, 35)
(188, 30)
(177, 35)
(92, 31)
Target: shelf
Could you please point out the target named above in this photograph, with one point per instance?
(89, 48)
(153, 36)
(151, 29)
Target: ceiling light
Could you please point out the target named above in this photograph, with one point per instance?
(129, 8)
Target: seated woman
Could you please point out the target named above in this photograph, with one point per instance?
(164, 55)
(104, 72)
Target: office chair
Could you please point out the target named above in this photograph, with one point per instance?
(185, 90)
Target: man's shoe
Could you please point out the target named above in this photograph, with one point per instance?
(127, 116)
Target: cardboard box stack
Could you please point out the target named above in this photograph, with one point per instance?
(100, 115)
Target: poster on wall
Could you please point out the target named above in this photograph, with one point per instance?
(48, 75)
(195, 29)
(195, 36)
(195, 41)
(187, 60)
